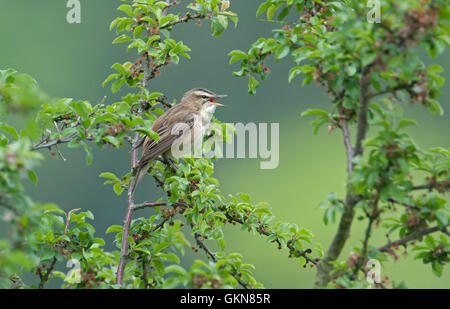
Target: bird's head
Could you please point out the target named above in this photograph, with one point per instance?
(201, 99)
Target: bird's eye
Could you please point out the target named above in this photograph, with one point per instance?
(204, 97)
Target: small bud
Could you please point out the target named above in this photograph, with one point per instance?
(225, 5)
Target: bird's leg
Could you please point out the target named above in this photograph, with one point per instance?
(170, 162)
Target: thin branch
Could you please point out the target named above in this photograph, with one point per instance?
(413, 236)
(66, 227)
(372, 217)
(4, 204)
(199, 240)
(56, 142)
(392, 90)
(264, 232)
(147, 205)
(363, 108)
(445, 185)
(303, 253)
(44, 277)
(348, 145)
(144, 273)
(200, 243)
(185, 19)
(402, 203)
(161, 224)
(52, 143)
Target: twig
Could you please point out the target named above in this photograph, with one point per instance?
(203, 246)
(402, 203)
(66, 228)
(146, 205)
(392, 90)
(52, 143)
(44, 277)
(3, 203)
(303, 253)
(412, 236)
(185, 19)
(161, 224)
(372, 218)
(442, 185)
(264, 232)
(56, 142)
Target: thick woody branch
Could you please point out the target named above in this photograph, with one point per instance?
(348, 145)
(128, 216)
(340, 238)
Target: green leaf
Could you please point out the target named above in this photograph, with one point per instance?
(81, 108)
(221, 243)
(114, 229)
(272, 9)
(108, 175)
(112, 140)
(50, 207)
(170, 257)
(252, 85)
(46, 254)
(118, 189)
(148, 132)
(282, 51)
(263, 7)
(406, 122)
(121, 39)
(442, 218)
(32, 176)
(310, 112)
(126, 9)
(283, 13)
(237, 55)
(11, 130)
(159, 266)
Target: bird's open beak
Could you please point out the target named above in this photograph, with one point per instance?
(218, 96)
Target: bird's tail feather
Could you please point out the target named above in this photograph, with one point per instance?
(141, 172)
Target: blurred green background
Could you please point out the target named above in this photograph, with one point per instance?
(72, 60)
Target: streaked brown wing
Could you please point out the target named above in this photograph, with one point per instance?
(153, 148)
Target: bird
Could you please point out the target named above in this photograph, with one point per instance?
(194, 112)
